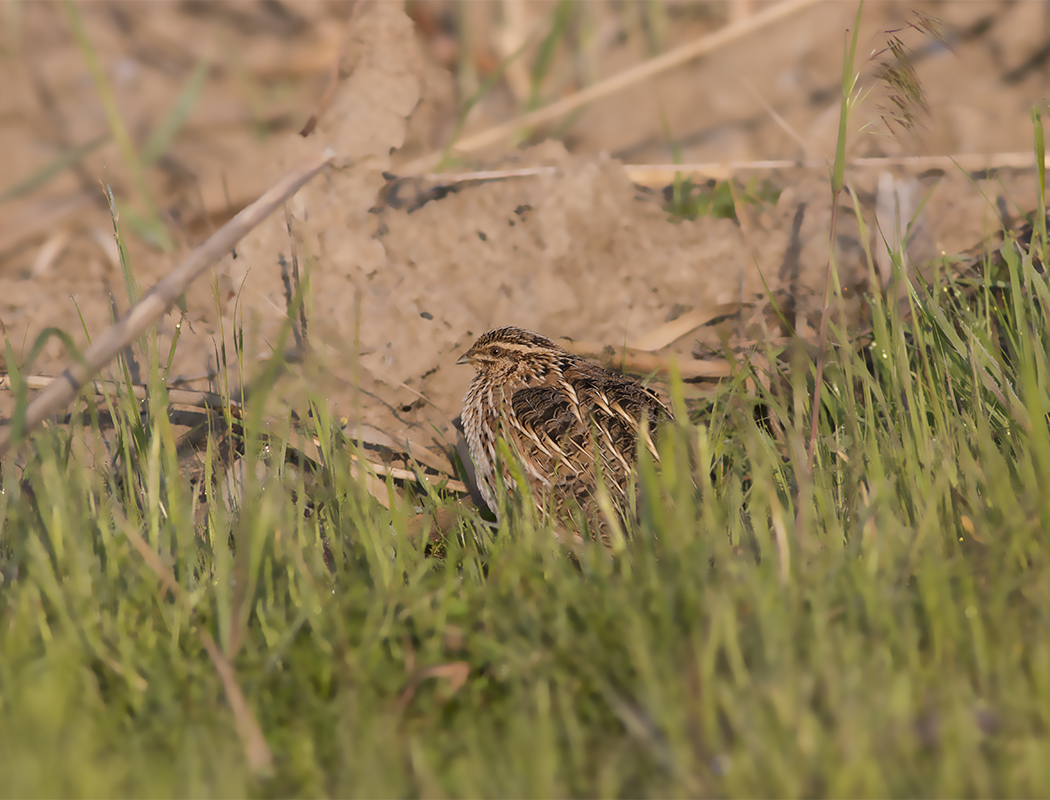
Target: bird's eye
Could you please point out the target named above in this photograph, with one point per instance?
(495, 352)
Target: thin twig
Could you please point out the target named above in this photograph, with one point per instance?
(159, 300)
(482, 176)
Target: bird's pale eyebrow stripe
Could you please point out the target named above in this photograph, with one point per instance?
(521, 348)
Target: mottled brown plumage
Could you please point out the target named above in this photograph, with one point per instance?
(565, 420)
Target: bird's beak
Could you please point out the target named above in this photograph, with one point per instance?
(466, 357)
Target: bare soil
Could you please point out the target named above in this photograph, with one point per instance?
(397, 287)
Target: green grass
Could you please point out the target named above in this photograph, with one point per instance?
(686, 199)
(878, 629)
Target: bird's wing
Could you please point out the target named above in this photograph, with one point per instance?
(548, 422)
(623, 409)
(560, 420)
(588, 424)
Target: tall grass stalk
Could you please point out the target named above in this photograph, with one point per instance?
(149, 223)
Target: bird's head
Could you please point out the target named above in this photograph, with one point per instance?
(506, 353)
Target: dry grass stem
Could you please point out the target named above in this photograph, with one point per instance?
(779, 120)
(176, 397)
(643, 72)
(256, 750)
(397, 473)
(674, 330)
(663, 174)
(630, 359)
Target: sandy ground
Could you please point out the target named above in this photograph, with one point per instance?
(397, 287)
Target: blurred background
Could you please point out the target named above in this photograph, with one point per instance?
(186, 109)
(204, 89)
